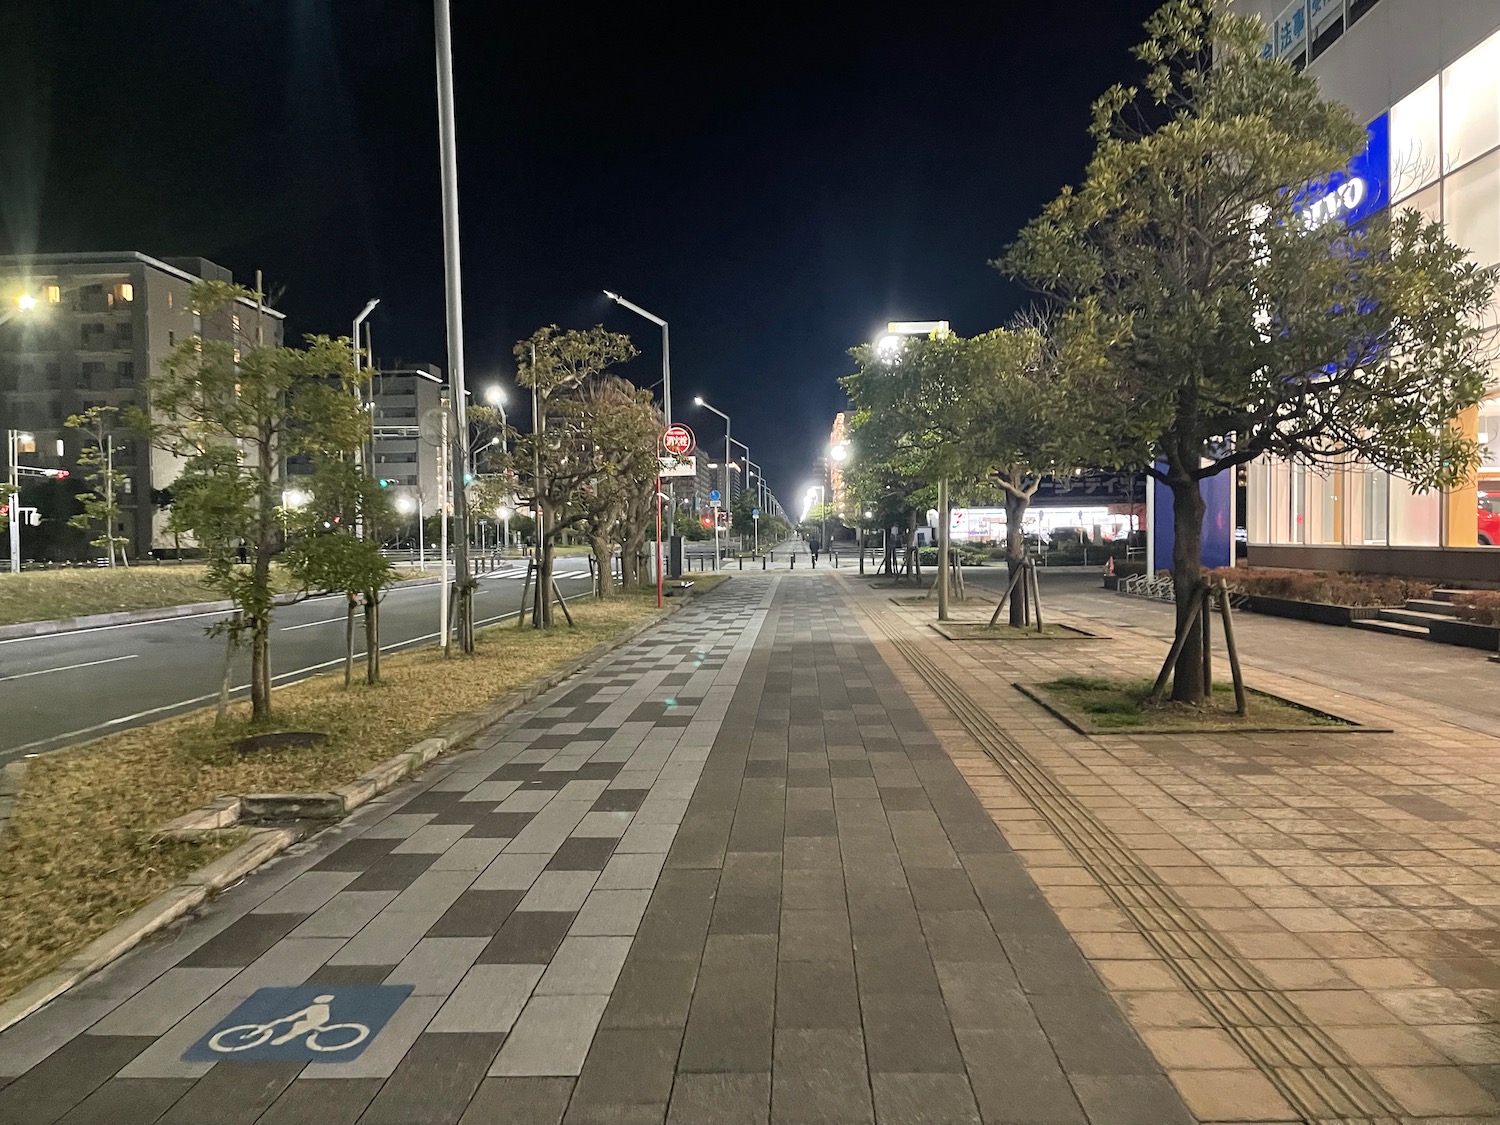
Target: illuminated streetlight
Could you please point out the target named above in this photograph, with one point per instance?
(494, 394)
(26, 302)
(666, 351)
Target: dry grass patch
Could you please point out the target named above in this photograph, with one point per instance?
(78, 857)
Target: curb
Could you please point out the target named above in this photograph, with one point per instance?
(161, 911)
(263, 844)
(23, 629)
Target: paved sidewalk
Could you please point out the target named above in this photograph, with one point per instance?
(730, 875)
(1303, 927)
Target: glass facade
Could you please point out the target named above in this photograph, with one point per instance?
(1445, 163)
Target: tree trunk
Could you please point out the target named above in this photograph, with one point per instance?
(913, 552)
(603, 558)
(1015, 552)
(372, 637)
(260, 668)
(349, 640)
(544, 582)
(630, 561)
(1187, 574)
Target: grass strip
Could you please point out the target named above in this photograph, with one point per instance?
(1119, 704)
(79, 856)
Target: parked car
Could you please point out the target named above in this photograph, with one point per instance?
(1489, 519)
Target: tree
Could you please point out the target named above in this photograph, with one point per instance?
(101, 501)
(236, 418)
(555, 365)
(335, 540)
(1210, 319)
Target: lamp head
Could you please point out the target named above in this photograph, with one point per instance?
(697, 400)
(494, 394)
(26, 302)
(611, 296)
(888, 345)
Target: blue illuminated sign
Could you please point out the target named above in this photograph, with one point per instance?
(1361, 190)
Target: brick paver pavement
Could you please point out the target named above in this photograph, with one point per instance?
(1303, 927)
(729, 875)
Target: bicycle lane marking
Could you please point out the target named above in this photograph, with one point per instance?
(323, 1023)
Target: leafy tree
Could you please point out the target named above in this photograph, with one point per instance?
(327, 552)
(557, 365)
(101, 501)
(1209, 321)
(235, 419)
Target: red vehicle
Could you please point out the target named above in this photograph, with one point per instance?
(1489, 519)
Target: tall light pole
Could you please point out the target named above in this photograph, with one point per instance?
(726, 490)
(666, 351)
(452, 272)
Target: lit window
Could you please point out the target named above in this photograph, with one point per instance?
(236, 355)
(1414, 140)
(54, 294)
(236, 318)
(170, 301)
(1471, 105)
(1471, 208)
(125, 292)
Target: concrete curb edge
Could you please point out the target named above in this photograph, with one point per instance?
(160, 912)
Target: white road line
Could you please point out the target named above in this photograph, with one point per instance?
(309, 624)
(31, 749)
(68, 667)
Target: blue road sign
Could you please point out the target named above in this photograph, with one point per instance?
(755, 513)
(714, 497)
(311, 1023)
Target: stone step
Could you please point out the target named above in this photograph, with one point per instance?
(1440, 608)
(1395, 628)
(1411, 617)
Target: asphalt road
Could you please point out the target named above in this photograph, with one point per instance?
(68, 687)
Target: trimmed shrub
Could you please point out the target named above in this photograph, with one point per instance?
(1322, 586)
(1479, 606)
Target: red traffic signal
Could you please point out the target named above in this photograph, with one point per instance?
(708, 522)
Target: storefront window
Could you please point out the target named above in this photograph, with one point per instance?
(1368, 505)
(1428, 202)
(1283, 506)
(1258, 501)
(1471, 105)
(1415, 147)
(1316, 494)
(1471, 208)
(1416, 518)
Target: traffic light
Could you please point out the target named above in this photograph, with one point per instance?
(468, 478)
(386, 482)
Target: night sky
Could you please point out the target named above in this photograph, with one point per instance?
(777, 181)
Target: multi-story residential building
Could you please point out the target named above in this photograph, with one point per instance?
(1425, 75)
(403, 395)
(87, 329)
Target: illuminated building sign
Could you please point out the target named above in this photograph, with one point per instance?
(1361, 190)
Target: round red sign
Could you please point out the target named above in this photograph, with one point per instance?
(678, 440)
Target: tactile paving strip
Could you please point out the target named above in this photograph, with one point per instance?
(1312, 1072)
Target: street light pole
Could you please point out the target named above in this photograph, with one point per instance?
(13, 509)
(666, 351)
(448, 149)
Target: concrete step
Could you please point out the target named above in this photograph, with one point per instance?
(1432, 605)
(1394, 628)
(1411, 617)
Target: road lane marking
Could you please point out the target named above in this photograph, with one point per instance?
(31, 749)
(68, 667)
(310, 624)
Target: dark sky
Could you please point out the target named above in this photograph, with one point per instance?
(778, 181)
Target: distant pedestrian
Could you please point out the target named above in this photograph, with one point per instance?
(813, 547)
(244, 553)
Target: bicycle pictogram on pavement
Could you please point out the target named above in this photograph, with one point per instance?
(308, 1023)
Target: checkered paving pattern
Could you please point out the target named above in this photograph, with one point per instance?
(729, 875)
